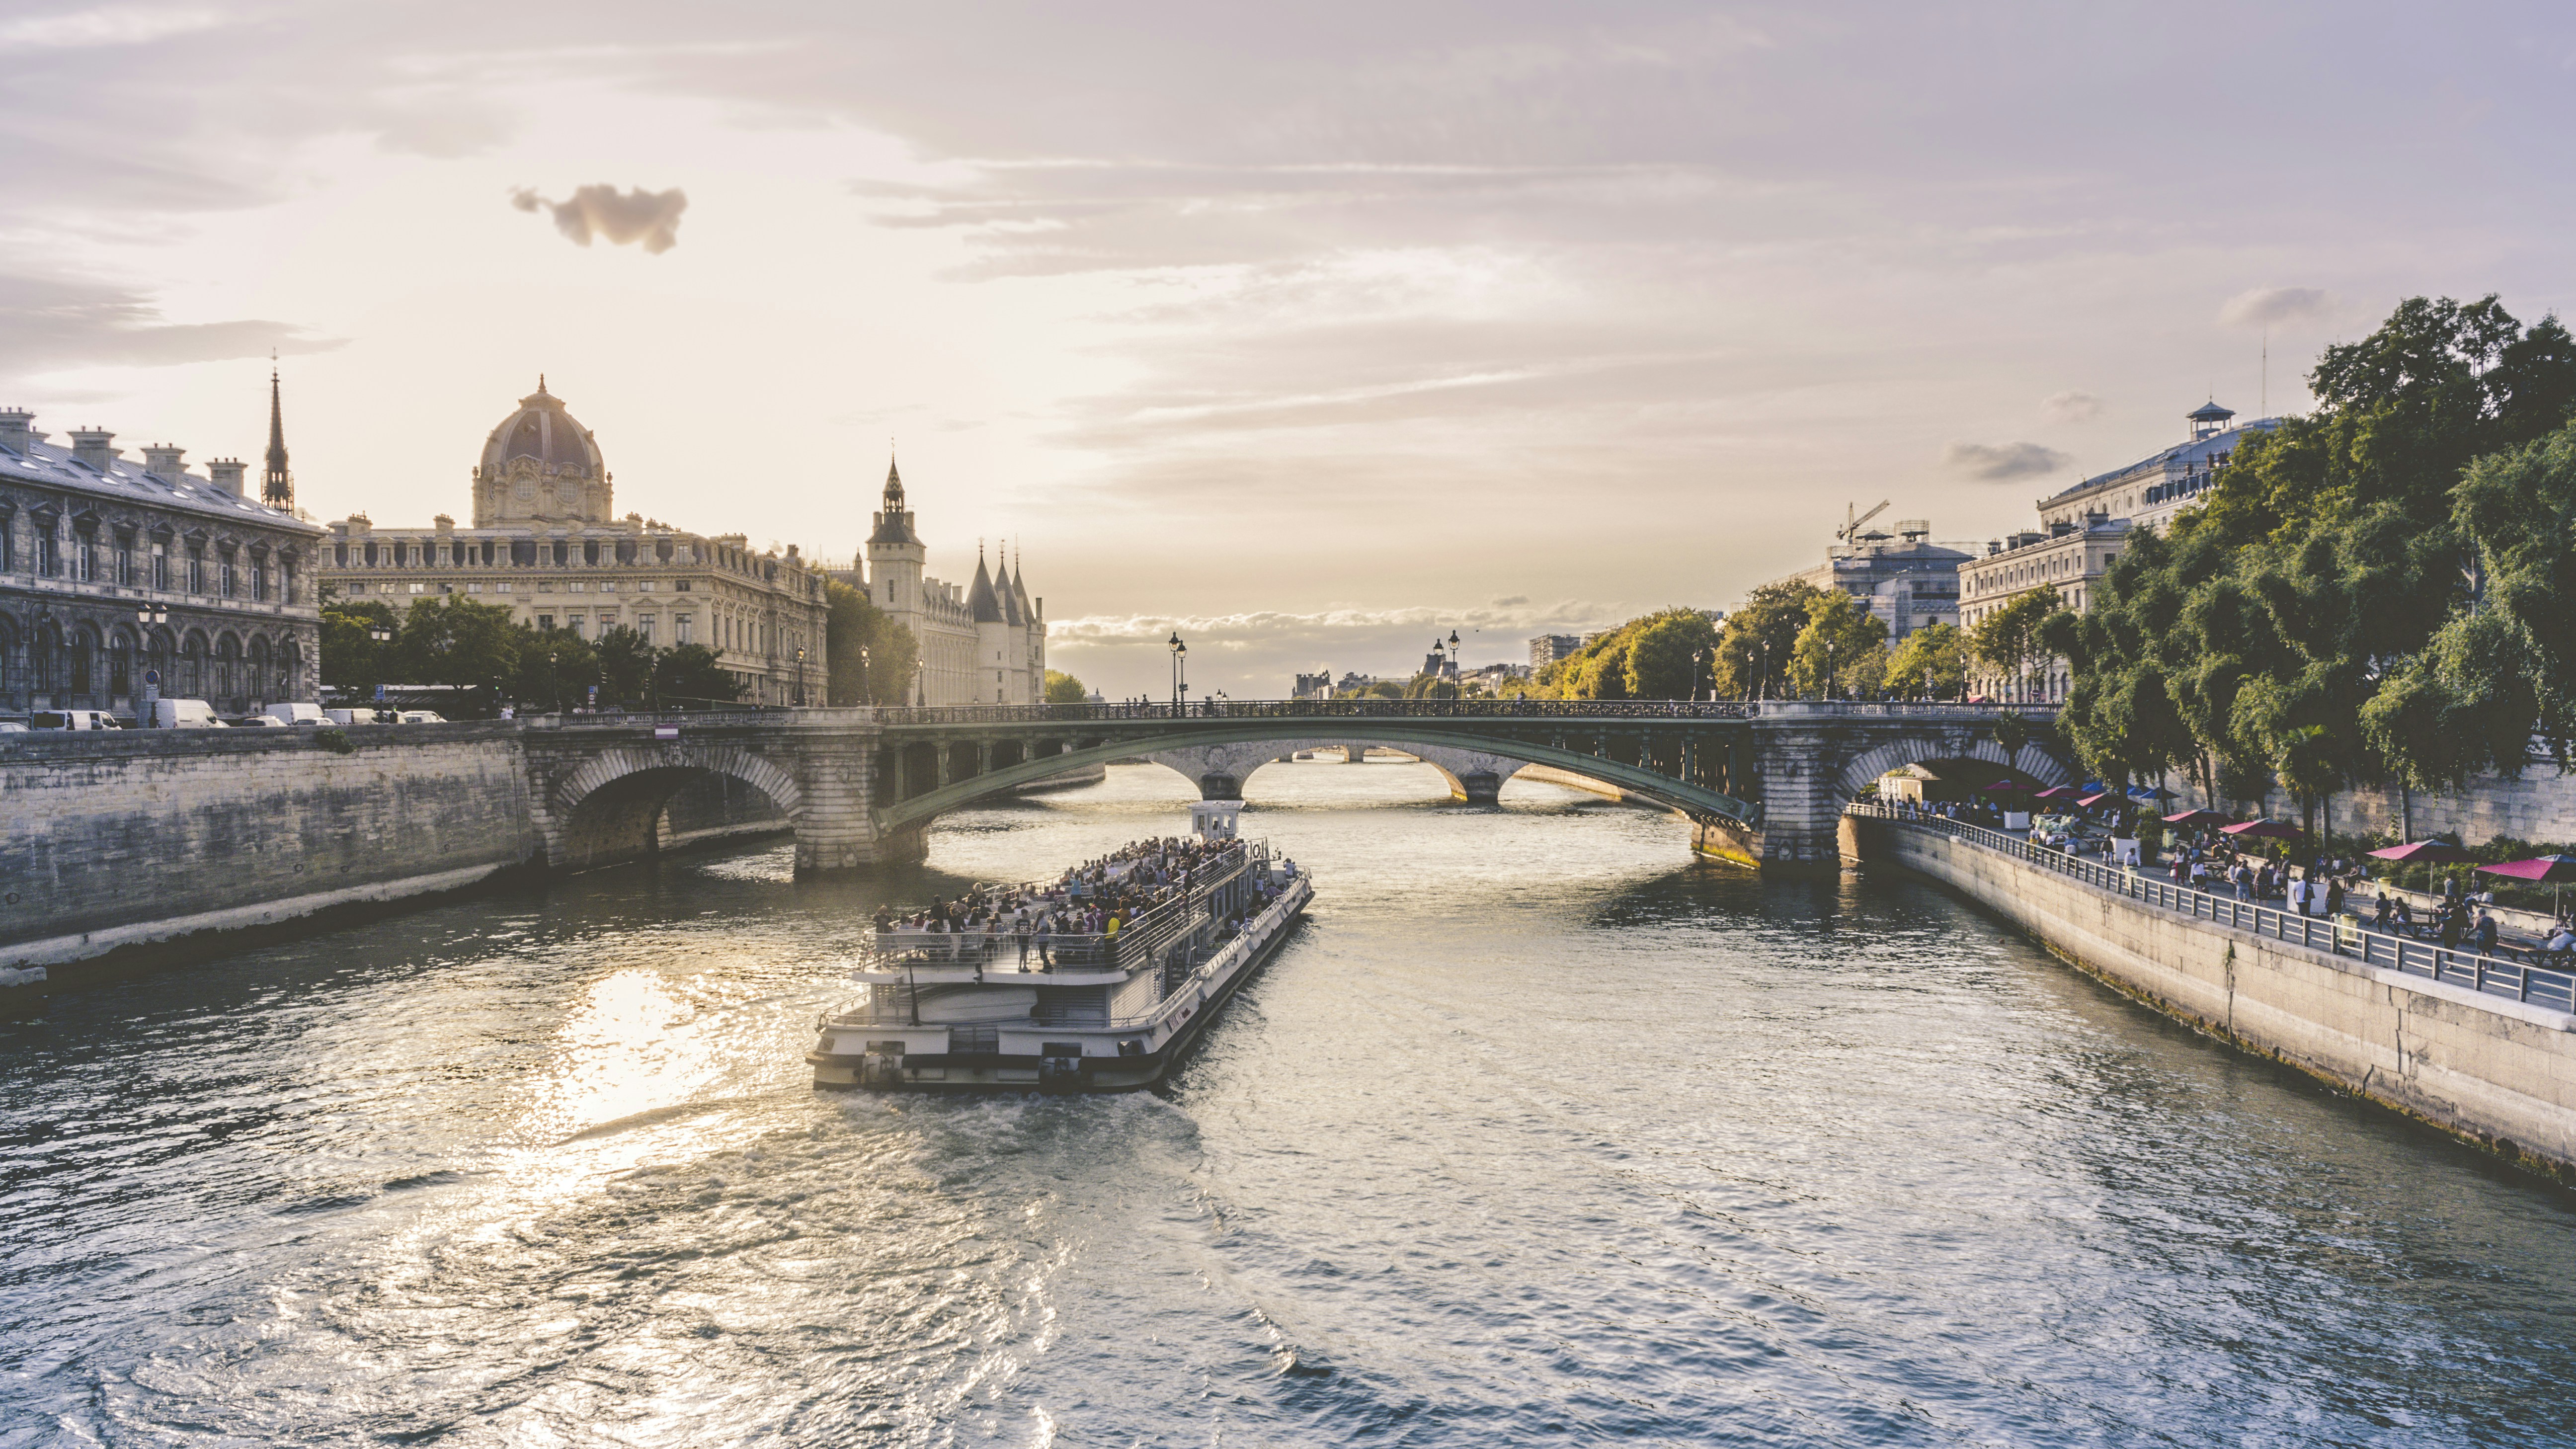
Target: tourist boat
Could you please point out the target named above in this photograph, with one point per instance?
(1067, 1013)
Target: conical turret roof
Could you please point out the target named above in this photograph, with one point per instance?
(981, 601)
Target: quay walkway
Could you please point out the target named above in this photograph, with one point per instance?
(2345, 936)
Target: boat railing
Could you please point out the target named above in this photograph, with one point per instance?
(1022, 949)
(2337, 935)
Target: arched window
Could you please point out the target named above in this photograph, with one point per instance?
(260, 674)
(192, 668)
(289, 680)
(156, 657)
(227, 670)
(81, 667)
(13, 669)
(120, 664)
(44, 658)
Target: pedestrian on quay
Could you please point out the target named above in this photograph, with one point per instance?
(2486, 933)
(2334, 896)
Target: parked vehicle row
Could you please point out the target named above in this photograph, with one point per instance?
(196, 714)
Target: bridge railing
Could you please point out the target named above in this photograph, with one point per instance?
(1320, 709)
(2340, 936)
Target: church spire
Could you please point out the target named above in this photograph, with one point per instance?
(276, 485)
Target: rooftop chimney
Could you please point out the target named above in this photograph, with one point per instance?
(15, 435)
(163, 462)
(227, 473)
(90, 446)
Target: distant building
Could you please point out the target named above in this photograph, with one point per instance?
(1352, 681)
(1546, 649)
(1313, 686)
(90, 540)
(2085, 527)
(1903, 578)
(984, 643)
(545, 543)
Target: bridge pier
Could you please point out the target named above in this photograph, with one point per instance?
(1474, 777)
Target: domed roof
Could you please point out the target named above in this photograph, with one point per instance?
(542, 431)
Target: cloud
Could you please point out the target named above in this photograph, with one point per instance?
(2271, 306)
(1505, 603)
(106, 25)
(2002, 462)
(2072, 406)
(47, 324)
(652, 217)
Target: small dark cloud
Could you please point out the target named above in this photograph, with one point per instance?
(651, 217)
(47, 324)
(2002, 462)
(2270, 306)
(1511, 600)
(2072, 406)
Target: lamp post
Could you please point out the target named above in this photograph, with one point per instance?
(1699, 668)
(1453, 651)
(800, 674)
(150, 616)
(1180, 671)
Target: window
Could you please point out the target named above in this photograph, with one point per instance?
(259, 580)
(645, 587)
(644, 627)
(286, 580)
(680, 627)
(545, 621)
(49, 558)
(545, 586)
(196, 572)
(474, 587)
(682, 586)
(160, 567)
(572, 626)
(228, 573)
(576, 586)
(608, 586)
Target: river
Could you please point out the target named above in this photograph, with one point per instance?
(1537, 1133)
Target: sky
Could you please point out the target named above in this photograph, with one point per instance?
(1310, 332)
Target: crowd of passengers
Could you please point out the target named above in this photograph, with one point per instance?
(2209, 861)
(1074, 920)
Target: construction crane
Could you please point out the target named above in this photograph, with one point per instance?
(1850, 531)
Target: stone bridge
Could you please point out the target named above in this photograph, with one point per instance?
(1762, 784)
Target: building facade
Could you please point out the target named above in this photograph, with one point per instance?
(1904, 579)
(983, 643)
(2085, 527)
(114, 572)
(1546, 649)
(544, 542)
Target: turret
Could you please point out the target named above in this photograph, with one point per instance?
(276, 485)
(896, 554)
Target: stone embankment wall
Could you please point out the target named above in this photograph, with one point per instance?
(166, 843)
(2489, 1069)
(2540, 806)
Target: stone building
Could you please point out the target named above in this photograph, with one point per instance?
(545, 543)
(2086, 526)
(1905, 579)
(983, 643)
(110, 569)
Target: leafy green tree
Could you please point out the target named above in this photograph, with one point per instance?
(1841, 651)
(556, 669)
(453, 640)
(689, 677)
(350, 660)
(1063, 688)
(1666, 653)
(626, 660)
(2008, 640)
(871, 657)
(1755, 647)
(1930, 663)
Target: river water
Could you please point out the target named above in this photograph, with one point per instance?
(1538, 1133)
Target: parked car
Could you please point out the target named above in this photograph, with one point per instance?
(184, 714)
(363, 715)
(258, 722)
(71, 719)
(422, 716)
(296, 714)
(13, 727)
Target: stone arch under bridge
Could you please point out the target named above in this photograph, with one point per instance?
(1220, 771)
(628, 801)
(2034, 759)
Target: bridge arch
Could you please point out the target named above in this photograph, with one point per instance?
(2033, 759)
(626, 802)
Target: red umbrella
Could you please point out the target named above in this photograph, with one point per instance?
(2089, 801)
(2006, 787)
(2196, 817)
(2055, 792)
(2266, 829)
(2431, 852)
(2553, 870)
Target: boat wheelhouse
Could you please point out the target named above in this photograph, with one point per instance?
(1016, 1005)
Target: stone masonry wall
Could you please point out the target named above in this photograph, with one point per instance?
(129, 839)
(2489, 1069)
(2540, 807)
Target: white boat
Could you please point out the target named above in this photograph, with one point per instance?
(1017, 1011)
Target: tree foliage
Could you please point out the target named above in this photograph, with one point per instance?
(1754, 649)
(1930, 663)
(869, 658)
(1063, 688)
(1842, 651)
(2011, 641)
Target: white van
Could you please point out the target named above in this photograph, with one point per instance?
(365, 715)
(423, 716)
(71, 719)
(295, 714)
(184, 714)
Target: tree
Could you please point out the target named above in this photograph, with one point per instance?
(626, 660)
(1754, 649)
(352, 662)
(1666, 653)
(870, 658)
(689, 676)
(453, 640)
(2008, 641)
(1841, 651)
(1063, 688)
(1930, 663)
(556, 669)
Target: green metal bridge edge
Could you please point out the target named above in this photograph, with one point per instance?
(1691, 800)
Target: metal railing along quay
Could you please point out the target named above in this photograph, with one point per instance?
(2341, 936)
